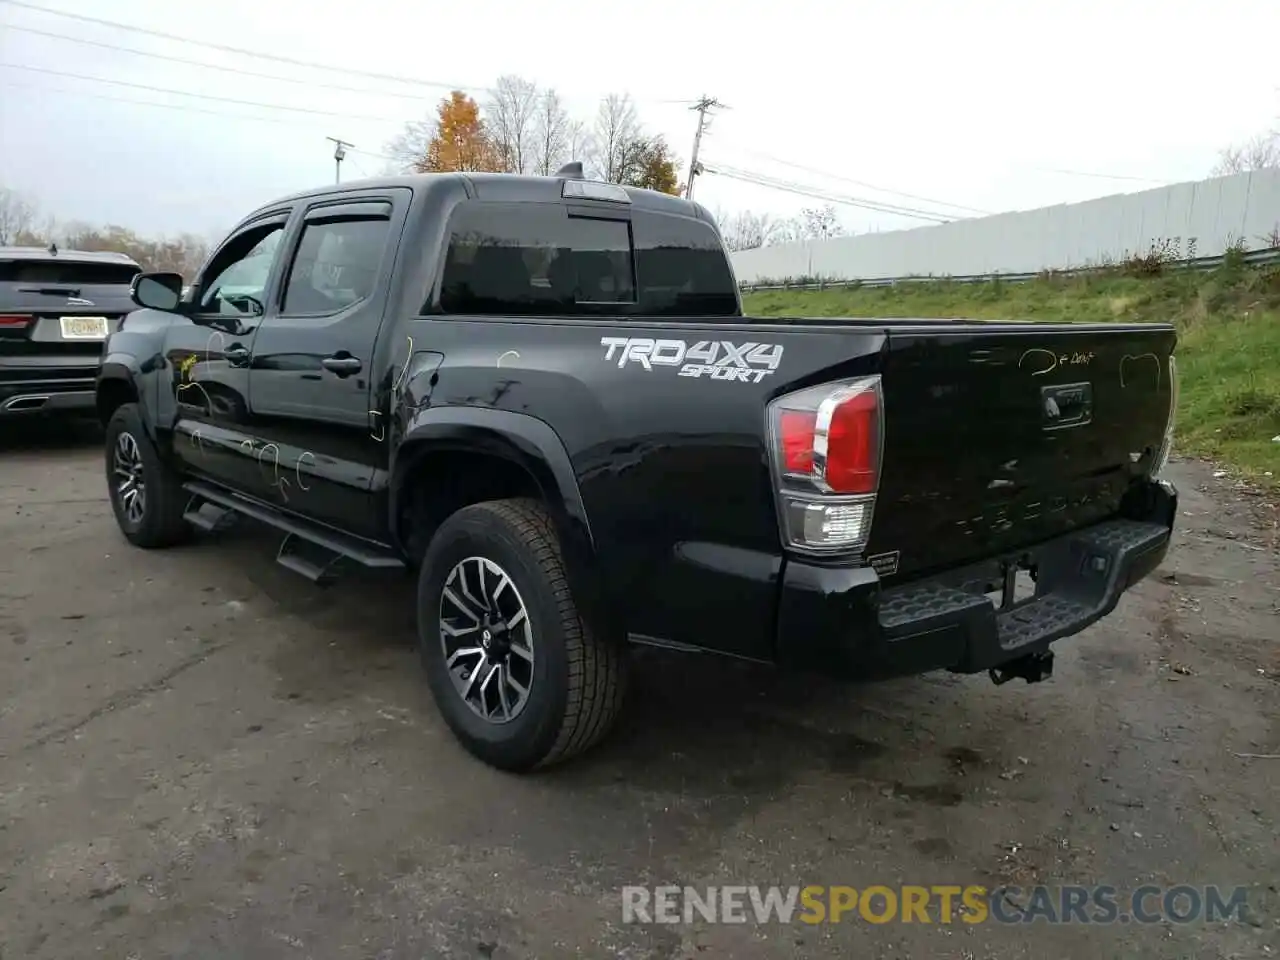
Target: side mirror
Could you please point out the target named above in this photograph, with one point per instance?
(158, 291)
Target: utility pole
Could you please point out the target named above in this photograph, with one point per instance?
(339, 152)
(703, 105)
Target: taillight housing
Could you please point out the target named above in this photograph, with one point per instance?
(1166, 445)
(825, 448)
(8, 321)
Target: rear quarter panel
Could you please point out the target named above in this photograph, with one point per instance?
(672, 468)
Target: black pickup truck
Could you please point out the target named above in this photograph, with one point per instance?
(541, 395)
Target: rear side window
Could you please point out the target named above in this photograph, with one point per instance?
(66, 272)
(683, 268)
(529, 259)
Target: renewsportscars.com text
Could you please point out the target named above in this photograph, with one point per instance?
(939, 903)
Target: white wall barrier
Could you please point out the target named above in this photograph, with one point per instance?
(1204, 218)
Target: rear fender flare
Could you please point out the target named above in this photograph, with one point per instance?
(526, 441)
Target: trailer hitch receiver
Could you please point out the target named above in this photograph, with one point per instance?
(1032, 668)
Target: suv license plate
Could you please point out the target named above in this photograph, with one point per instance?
(83, 328)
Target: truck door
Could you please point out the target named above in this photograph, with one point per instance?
(205, 404)
(316, 445)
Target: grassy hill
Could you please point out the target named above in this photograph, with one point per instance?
(1228, 324)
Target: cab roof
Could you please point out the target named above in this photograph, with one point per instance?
(502, 186)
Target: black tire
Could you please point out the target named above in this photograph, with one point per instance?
(160, 522)
(578, 672)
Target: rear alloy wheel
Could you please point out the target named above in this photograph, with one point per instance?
(519, 674)
(146, 493)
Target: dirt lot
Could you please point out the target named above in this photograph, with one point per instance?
(204, 756)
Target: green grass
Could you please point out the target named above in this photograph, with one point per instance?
(1228, 325)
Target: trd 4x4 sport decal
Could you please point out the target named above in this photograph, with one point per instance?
(713, 359)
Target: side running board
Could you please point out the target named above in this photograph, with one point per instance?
(308, 548)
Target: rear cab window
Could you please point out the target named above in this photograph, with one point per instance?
(549, 259)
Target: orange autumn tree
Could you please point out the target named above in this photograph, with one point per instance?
(461, 141)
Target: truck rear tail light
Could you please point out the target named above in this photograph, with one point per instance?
(825, 448)
(1166, 445)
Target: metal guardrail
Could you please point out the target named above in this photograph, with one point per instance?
(1251, 257)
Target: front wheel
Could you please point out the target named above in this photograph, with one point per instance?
(146, 493)
(520, 676)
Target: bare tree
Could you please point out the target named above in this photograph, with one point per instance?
(579, 138)
(747, 230)
(1259, 153)
(552, 134)
(616, 129)
(407, 149)
(820, 223)
(17, 213)
(509, 118)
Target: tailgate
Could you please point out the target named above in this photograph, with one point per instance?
(1000, 436)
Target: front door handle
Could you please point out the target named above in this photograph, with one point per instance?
(342, 363)
(237, 355)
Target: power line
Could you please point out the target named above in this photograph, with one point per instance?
(201, 96)
(215, 66)
(241, 51)
(807, 191)
(1104, 176)
(329, 68)
(183, 108)
(859, 183)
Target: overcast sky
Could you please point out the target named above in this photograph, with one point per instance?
(989, 104)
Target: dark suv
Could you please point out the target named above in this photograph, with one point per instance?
(57, 307)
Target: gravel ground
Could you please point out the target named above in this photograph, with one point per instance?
(202, 755)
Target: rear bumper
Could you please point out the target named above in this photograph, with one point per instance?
(29, 386)
(843, 622)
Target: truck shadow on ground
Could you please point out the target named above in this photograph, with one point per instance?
(729, 733)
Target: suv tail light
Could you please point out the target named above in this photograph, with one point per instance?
(825, 445)
(10, 320)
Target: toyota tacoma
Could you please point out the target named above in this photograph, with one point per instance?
(541, 396)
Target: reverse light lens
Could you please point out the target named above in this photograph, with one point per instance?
(819, 524)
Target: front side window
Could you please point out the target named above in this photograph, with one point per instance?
(236, 281)
(336, 265)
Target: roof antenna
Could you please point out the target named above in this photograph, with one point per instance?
(572, 170)
(53, 249)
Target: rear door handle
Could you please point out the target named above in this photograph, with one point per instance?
(342, 364)
(237, 355)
